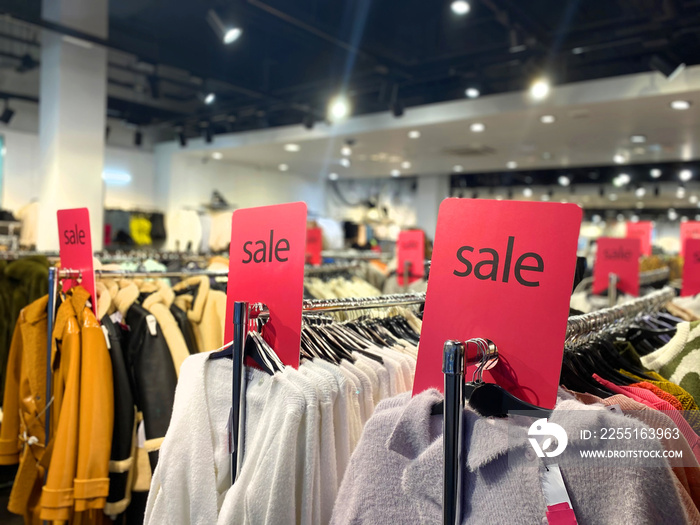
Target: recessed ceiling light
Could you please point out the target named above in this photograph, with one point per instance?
(338, 108)
(458, 168)
(477, 127)
(638, 139)
(217, 155)
(210, 98)
(414, 134)
(460, 7)
(672, 214)
(693, 199)
(680, 105)
(539, 90)
(527, 192)
(345, 163)
(346, 151)
(563, 180)
(621, 180)
(685, 175)
(232, 35)
(684, 219)
(472, 92)
(395, 173)
(547, 119)
(640, 192)
(283, 167)
(545, 197)
(292, 147)
(406, 165)
(333, 176)
(655, 173)
(680, 192)
(511, 165)
(619, 158)
(612, 196)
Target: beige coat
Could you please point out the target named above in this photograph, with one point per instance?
(206, 310)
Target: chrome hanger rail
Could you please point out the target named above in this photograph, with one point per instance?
(331, 268)
(360, 256)
(645, 279)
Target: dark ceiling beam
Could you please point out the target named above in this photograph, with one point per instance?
(512, 17)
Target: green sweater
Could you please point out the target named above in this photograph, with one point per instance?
(679, 360)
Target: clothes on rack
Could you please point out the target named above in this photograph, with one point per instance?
(301, 427)
(339, 285)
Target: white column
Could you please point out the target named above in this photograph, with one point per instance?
(72, 114)
(432, 190)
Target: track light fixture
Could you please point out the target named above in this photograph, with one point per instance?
(180, 131)
(7, 113)
(138, 138)
(228, 34)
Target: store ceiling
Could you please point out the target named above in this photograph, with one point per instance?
(293, 56)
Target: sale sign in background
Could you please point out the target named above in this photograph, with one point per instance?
(619, 257)
(75, 248)
(641, 230)
(314, 244)
(502, 271)
(689, 230)
(410, 247)
(691, 268)
(266, 265)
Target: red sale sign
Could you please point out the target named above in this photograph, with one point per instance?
(502, 271)
(75, 248)
(619, 257)
(641, 230)
(410, 248)
(314, 244)
(266, 265)
(691, 268)
(689, 230)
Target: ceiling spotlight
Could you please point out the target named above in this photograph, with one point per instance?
(227, 34)
(458, 168)
(346, 151)
(539, 90)
(664, 65)
(293, 148)
(672, 214)
(308, 121)
(638, 139)
(7, 113)
(547, 119)
(680, 105)
(283, 167)
(685, 175)
(217, 155)
(406, 165)
(619, 158)
(395, 173)
(640, 192)
(209, 98)
(345, 163)
(655, 173)
(477, 127)
(511, 165)
(563, 180)
(397, 108)
(472, 92)
(680, 192)
(332, 176)
(545, 197)
(693, 199)
(460, 7)
(338, 108)
(527, 192)
(414, 134)
(624, 178)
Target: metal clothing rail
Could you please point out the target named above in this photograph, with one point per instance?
(240, 322)
(331, 268)
(360, 256)
(645, 279)
(577, 328)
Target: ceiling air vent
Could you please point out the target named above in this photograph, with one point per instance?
(477, 150)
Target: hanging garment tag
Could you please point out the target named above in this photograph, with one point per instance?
(643, 231)
(503, 271)
(691, 268)
(106, 334)
(75, 248)
(314, 245)
(410, 248)
(152, 324)
(559, 508)
(689, 230)
(266, 265)
(621, 257)
(117, 317)
(141, 435)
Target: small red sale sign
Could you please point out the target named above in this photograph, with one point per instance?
(619, 257)
(314, 245)
(502, 271)
(266, 265)
(641, 230)
(689, 230)
(75, 248)
(691, 268)
(410, 248)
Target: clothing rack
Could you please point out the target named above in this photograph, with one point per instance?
(240, 323)
(331, 268)
(577, 328)
(360, 256)
(645, 279)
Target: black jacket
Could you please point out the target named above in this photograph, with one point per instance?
(185, 327)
